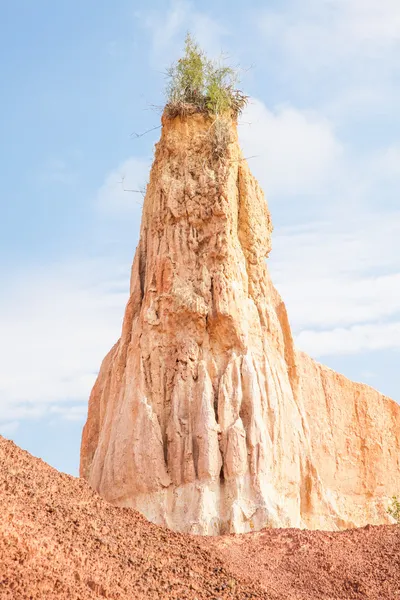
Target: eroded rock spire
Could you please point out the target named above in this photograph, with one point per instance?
(204, 417)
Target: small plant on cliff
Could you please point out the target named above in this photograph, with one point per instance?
(198, 84)
(187, 79)
(394, 509)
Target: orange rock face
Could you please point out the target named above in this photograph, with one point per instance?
(204, 417)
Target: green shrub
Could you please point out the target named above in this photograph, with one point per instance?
(219, 82)
(187, 76)
(198, 84)
(394, 509)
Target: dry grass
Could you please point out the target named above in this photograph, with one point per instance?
(220, 136)
(179, 108)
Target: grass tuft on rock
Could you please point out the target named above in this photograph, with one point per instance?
(198, 84)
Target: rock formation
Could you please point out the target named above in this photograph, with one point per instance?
(204, 417)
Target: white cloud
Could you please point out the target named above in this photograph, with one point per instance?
(123, 189)
(164, 27)
(388, 162)
(168, 28)
(320, 33)
(55, 336)
(365, 100)
(7, 429)
(340, 272)
(374, 25)
(70, 413)
(328, 301)
(359, 338)
(340, 281)
(296, 152)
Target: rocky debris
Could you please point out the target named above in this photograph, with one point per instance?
(60, 540)
(317, 565)
(204, 417)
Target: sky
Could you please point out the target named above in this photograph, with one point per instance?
(81, 79)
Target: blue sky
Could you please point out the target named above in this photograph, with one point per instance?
(78, 78)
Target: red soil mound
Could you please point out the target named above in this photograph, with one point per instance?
(317, 565)
(59, 539)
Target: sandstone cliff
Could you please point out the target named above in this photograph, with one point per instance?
(204, 417)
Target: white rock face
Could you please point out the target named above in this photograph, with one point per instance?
(204, 417)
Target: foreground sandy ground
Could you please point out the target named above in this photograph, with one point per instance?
(313, 565)
(59, 539)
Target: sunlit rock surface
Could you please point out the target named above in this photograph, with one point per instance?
(204, 416)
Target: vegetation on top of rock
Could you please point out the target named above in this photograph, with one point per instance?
(198, 84)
